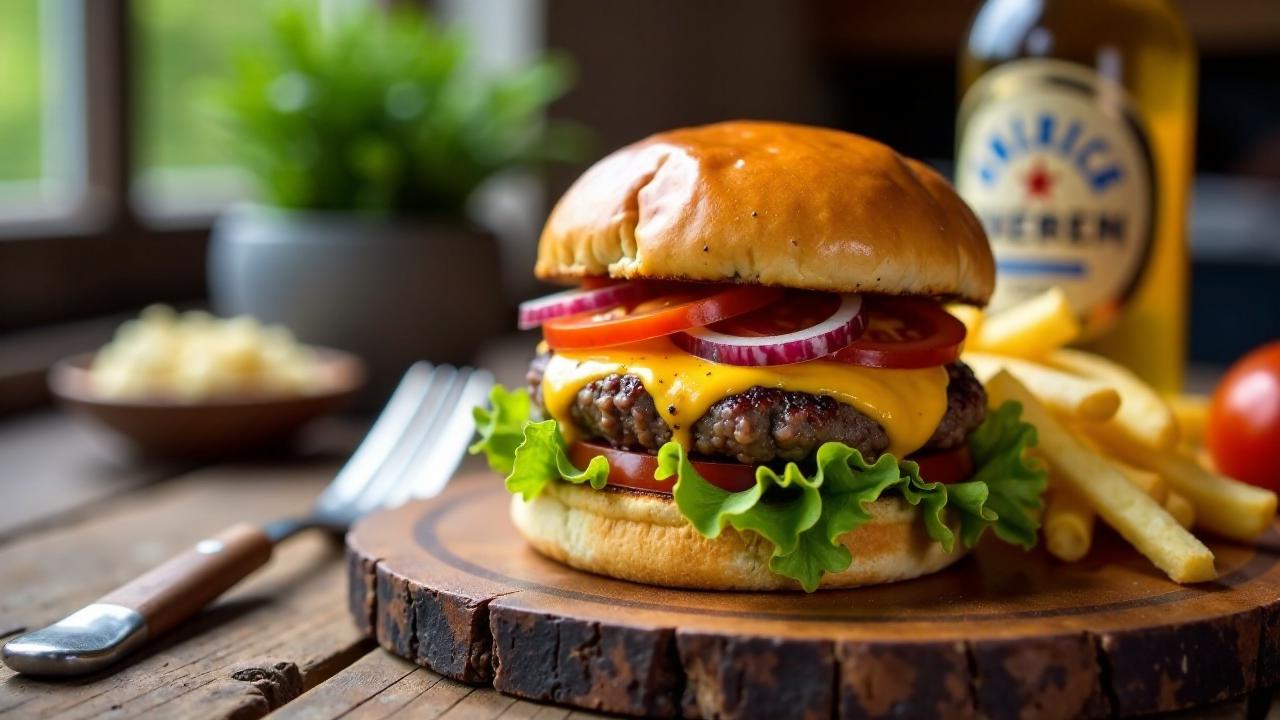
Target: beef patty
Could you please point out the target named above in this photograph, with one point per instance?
(761, 424)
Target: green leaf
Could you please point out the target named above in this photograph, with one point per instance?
(812, 557)
(501, 427)
(542, 458)
(802, 516)
(970, 500)
(1014, 481)
(704, 505)
(847, 487)
(850, 485)
(709, 508)
(531, 454)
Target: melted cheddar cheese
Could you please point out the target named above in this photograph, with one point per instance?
(909, 404)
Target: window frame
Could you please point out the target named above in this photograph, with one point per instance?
(97, 254)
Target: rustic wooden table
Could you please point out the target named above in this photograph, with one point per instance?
(77, 518)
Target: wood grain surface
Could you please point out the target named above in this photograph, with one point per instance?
(221, 663)
(83, 520)
(53, 472)
(448, 584)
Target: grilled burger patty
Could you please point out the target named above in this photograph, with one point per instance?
(761, 424)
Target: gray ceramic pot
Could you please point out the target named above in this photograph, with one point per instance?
(390, 291)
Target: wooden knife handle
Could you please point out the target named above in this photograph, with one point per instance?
(175, 590)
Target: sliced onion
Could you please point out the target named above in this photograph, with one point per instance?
(818, 340)
(579, 300)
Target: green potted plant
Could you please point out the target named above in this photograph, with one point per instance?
(367, 134)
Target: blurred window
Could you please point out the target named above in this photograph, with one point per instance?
(184, 160)
(41, 126)
(20, 88)
(112, 160)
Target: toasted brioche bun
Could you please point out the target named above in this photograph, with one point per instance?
(773, 204)
(644, 538)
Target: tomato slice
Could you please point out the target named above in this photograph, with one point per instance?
(635, 470)
(948, 466)
(798, 310)
(592, 282)
(656, 317)
(904, 333)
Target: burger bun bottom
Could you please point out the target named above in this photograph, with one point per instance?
(642, 537)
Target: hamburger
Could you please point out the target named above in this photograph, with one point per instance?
(755, 384)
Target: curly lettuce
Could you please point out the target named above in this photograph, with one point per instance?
(501, 427)
(801, 514)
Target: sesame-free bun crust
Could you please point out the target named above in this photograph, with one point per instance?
(773, 204)
(644, 538)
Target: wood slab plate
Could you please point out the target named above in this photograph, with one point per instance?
(449, 584)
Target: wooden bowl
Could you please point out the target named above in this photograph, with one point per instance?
(211, 428)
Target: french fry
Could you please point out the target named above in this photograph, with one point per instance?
(1143, 416)
(1180, 508)
(1031, 329)
(1140, 520)
(1202, 456)
(1191, 413)
(1145, 480)
(1224, 506)
(1062, 392)
(1068, 524)
(970, 315)
(1150, 483)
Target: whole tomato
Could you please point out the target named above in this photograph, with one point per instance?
(1243, 434)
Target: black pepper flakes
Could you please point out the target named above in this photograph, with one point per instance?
(671, 409)
(706, 248)
(755, 214)
(708, 373)
(676, 426)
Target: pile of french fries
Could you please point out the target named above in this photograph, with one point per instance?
(1115, 448)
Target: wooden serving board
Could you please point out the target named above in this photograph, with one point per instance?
(449, 584)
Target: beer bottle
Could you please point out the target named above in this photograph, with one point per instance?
(1074, 146)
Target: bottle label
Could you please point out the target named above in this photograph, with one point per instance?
(1055, 161)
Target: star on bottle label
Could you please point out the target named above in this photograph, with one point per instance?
(1039, 182)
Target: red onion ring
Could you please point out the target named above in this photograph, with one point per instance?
(819, 340)
(578, 300)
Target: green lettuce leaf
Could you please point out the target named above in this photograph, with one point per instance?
(543, 458)
(501, 426)
(803, 516)
(1014, 481)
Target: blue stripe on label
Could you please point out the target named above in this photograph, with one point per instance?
(1041, 267)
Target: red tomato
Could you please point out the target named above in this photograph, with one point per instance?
(657, 317)
(591, 282)
(797, 311)
(635, 470)
(948, 466)
(905, 333)
(1243, 434)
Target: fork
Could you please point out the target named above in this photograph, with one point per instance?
(411, 451)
